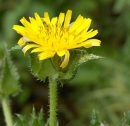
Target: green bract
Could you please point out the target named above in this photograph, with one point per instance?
(50, 67)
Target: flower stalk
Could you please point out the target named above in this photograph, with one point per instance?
(7, 111)
(53, 100)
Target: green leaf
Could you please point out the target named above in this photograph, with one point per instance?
(95, 119)
(126, 120)
(9, 78)
(40, 118)
(23, 121)
(32, 120)
(37, 121)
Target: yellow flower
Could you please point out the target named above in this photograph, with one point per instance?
(50, 37)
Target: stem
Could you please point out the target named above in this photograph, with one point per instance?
(7, 111)
(53, 101)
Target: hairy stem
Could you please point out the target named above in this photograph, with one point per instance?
(7, 111)
(53, 101)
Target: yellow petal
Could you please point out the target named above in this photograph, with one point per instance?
(38, 19)
(25, 22)
(19, 29)
(33, 21)
(25, 39)
(88, 23)
(33, 38)
(47, 19)
(43, 19)
(89, 35)
(77, 23)
(61, 53)
(92, 42)
(67, 18)
(21, 42)
(28, 26)
(39, 49)
(35, 24)
(61, 18)
(66, 59)
(46, 55)
(85, 25)
(92, 34)
(27, 47)
(54, 21)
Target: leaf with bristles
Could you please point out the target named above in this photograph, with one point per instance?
(9, 78)
(31, 120)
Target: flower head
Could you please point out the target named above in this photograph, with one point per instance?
(56, 36)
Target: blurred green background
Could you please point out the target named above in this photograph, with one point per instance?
(103, 85)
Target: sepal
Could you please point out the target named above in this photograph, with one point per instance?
(77, 59)
(41, 68)
(15, 48)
